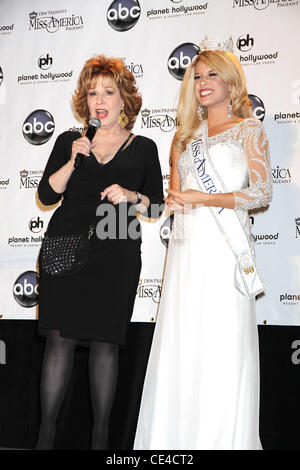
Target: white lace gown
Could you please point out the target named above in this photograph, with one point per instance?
(201, 389)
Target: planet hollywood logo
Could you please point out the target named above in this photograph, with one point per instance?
(180, 59)
(245, 43)
(38, 127)
(51, 21)
(258, 107)
(123, 15)
(287, 118)
(45, 61)
(289, 299)
(26, 289)
(7, 29)
(265, 239)
(4, 183)
(24, 241)
(176, 11)
(29, 179)
(36, 225)
(76, 128)
(149, 289)
(263, 4)
(281, 175)
(159, 119)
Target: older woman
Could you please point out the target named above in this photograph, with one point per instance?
(202, 385)
(119, 170)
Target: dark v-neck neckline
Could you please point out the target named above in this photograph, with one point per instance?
(115, 155)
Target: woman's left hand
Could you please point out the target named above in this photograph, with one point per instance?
(116, 194)
(189, 197)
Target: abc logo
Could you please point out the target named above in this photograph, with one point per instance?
(258, 108)
(122, 15)
(45, 62)
(165, 230)
(181, 58)
(245, 43)
(38, 127)
(36, 224)
(26, 289)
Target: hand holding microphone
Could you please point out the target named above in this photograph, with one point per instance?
(94, 125)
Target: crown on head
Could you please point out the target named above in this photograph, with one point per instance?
(212, 45)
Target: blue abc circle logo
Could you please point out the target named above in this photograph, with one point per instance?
(38, 127)
(180, 59)
(258, 107)
(122, 15)
(25, 289)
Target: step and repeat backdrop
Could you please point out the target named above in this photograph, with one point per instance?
(44, 44)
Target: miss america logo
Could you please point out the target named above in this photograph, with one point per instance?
(51, 24)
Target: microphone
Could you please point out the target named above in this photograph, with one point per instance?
(94, 125)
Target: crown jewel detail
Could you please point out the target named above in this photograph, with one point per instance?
(212, 45)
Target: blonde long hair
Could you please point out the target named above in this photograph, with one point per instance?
(230, 70)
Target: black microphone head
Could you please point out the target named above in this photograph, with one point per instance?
(95, 123)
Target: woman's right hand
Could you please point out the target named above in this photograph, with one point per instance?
(83, 146)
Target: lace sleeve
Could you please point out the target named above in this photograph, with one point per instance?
(256, 146)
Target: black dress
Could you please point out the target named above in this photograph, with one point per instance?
(96, 303)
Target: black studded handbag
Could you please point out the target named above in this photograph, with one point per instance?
(64, 255)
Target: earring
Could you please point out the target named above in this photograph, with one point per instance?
(200, 112)
(123, 118)
(229, 109)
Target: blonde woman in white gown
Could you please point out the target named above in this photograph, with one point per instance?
(201, 388)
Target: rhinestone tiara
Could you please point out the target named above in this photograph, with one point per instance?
(212, 45)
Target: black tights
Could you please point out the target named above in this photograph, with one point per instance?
(57, 368)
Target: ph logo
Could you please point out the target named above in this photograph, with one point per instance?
(245, 43)
(122, 15)
(36, 225)
(45, 62)
(181, 58)
(258, 107)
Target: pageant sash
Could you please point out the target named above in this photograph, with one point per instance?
(247, 278)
